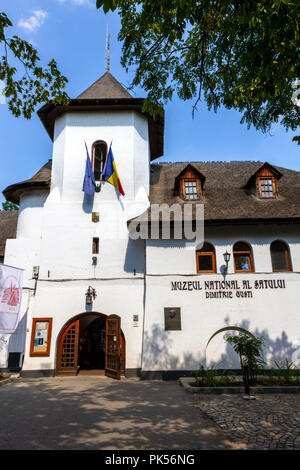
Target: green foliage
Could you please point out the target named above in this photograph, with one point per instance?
(249, 350)
(9, 206)
(241, 54)
(286, 371)
(36, 84)
(211, 377)
(206, 377)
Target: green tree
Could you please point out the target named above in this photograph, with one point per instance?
(30, 84)
(249, 350)
(9, 206)
(241, 54)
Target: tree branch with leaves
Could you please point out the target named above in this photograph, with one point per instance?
(240, 54)
(30, 84)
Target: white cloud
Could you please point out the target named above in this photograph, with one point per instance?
(77, 2)
(34, 22)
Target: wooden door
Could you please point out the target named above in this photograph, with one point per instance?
(67, 353)
(113, 347)
(122, 354)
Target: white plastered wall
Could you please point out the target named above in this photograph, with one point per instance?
(56, 232)
(269, 312)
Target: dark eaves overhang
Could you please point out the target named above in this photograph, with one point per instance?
(50, 112)
(145, 219)
(13, 192)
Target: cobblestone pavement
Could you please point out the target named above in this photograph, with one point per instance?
(98, 413)
(269, 422)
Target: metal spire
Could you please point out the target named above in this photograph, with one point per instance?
(107, 51)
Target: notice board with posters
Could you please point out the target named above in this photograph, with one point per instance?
(40, 337)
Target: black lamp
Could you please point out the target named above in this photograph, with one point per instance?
(226, 257)
(90, 295)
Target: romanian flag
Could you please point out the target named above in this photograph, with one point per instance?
(110, 173)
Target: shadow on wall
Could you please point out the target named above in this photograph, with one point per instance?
(135, 257)
(276, 349)
(87, 203)
(158, 344)
(157, 356)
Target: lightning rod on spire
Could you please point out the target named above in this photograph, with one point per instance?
(107, 51)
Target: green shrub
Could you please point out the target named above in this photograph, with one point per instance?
(286, 372)
(249, 350)
(206, 377)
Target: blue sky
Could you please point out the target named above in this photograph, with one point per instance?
(74, 33)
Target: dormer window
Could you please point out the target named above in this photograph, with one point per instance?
(264, 182)
(99, 152)
(189, 183)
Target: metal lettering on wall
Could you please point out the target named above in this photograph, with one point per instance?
(172, 318)
(228, 289)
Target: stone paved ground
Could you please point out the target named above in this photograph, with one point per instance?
(269, 422)
(98, 413)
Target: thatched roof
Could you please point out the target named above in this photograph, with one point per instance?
(8, 227)
(41, 180)
(226, 197)
(106, 87)
(225, 194)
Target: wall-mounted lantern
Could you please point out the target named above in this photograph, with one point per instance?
(226, 259)
(90, 295)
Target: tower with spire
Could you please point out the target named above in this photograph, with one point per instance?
(80, 242)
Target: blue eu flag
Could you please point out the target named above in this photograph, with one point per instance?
(89, 183)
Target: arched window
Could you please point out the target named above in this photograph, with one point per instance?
(206, 259)
(242, 255)
(99, 152)
(280, 256)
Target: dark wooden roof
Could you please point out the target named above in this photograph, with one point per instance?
(107, 94)
(106, 87)
(41, 180)
(8, 227)
(225, 195)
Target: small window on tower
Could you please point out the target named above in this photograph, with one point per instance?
(95, 246)
(99, 153)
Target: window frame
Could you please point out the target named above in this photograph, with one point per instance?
(287, 254)
(274, 186)
(95, 246)
(206, 253)
(97, 142)
(198, 186)
(32, 351)
(243, 252)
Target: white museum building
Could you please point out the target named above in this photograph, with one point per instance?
(97, 299)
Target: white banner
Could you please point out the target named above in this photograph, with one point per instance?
(10, 298)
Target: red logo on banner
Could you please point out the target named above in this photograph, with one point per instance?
(11, 296)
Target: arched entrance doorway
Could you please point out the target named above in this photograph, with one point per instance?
(221, 355)
(91, 343)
